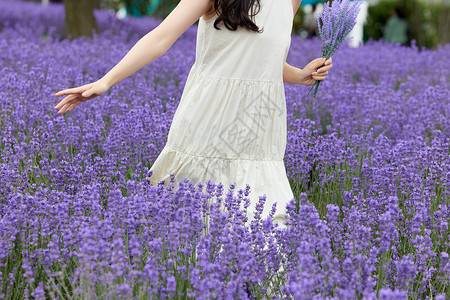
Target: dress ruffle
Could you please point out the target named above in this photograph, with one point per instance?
(263, 176)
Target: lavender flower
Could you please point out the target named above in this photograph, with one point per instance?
(334, 25)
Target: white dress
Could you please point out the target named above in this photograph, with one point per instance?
(230, 125)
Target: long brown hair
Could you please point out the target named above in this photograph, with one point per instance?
(237, 13)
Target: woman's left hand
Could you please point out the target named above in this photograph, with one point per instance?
(314, 71)
(80, 94)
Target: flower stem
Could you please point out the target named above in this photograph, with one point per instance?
(316, 85)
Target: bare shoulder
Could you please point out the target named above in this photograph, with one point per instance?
(296, 5)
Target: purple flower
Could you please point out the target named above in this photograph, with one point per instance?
(334, 25)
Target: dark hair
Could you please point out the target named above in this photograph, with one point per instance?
(400, 12)
(237, 13)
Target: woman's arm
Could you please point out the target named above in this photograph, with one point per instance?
(150, 47)
(291, 74)
(155, 43)
(296, 5)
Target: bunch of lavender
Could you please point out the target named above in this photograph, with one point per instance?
(335, 23)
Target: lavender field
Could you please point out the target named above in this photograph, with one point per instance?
(368, 161)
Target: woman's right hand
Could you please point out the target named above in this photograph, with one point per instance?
(315, 70)
(80, 94)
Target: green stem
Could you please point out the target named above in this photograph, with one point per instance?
(315, 86)
(315, 90)
(312, 87)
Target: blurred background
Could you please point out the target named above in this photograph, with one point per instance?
(425, 23)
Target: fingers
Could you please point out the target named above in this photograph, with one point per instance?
(319, 73)
(325, 69)
(74, 97)
(64, 101)
(320, 78)
(76, 90)
(322, 72)
(64, 108)
(72, 101)
(318, 62)
(323, 60)
(87, 93)
(73, 105)
(70, 106)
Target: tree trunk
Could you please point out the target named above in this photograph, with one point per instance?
(444, 24)
(80, 20)
(96, 4)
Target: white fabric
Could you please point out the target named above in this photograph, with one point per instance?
(230, 125)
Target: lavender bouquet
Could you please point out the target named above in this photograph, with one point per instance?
(334, 24)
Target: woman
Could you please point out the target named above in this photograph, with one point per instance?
(230, 124)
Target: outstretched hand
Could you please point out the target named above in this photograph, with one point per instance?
(315, 70)
(80, 94)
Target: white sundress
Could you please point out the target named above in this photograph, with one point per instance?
(230, 125)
